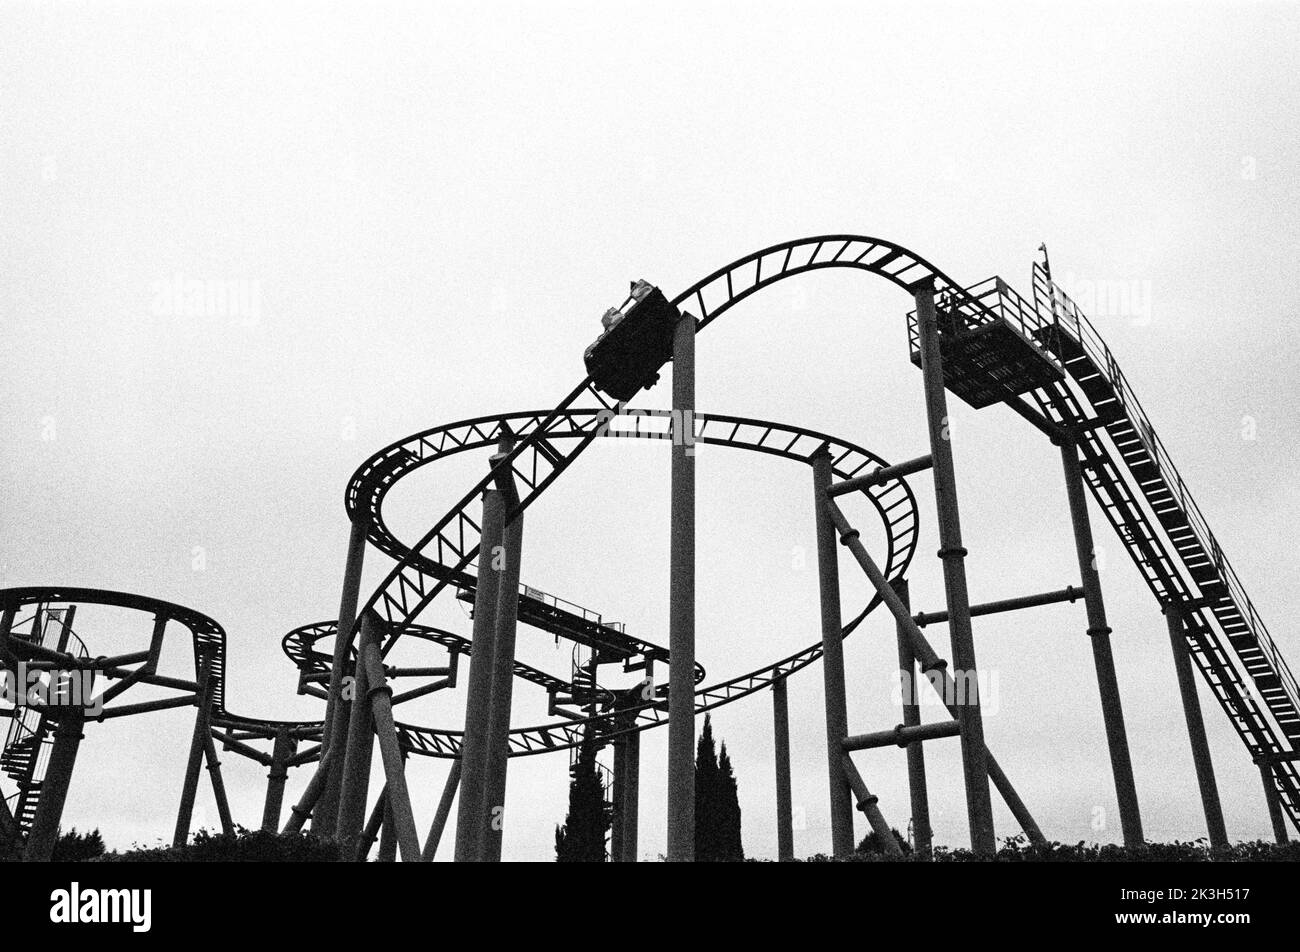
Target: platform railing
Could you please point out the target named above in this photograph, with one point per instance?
(572, 608)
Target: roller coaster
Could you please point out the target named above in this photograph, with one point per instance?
(984, 343)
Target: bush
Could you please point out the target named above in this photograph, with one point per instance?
(74, 847)
(1017, 849)
(242, 846)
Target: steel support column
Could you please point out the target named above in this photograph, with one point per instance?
(618, 793)
(470, 815)
(631, 802)
(837, 718)
(198, 747)
(1196, 729)
(781, 742)
(920, 798)
(218, 786)
(497, 755)
(681, 601)
(979, 806)
(54, 789)
(354, 787)
(442, 813)
(281, 750)
(337, 710)
(1274, 804)
(1103, 660)
(379, 696)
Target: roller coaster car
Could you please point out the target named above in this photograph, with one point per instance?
(637, 341)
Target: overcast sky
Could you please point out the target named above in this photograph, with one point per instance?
(426, 209)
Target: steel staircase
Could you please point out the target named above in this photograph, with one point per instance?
(26, 751)
(1134, 481)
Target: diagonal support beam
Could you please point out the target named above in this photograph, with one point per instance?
(867, 803)
(930, 662)
(398, 802)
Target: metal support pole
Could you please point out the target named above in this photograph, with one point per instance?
(930, 663)
(618, 793)
(337, 710)
(443, 812)
(880, 474)
(781, 740)
(387, 836)
(198, 747)
(281, 751)
(1103, 660)
(218, 786)
(903, 735)
(371, 830)
(497, 756)
(631, 802)
(868, 803)
(471, 815)
(681, 602)
(301, 811)
(979, 806)
(1274, 804)
(1067, 594)
(355, 783)
(1196, 729)
(922, 835)
(837, 718)
(54, 790)
(398, 805)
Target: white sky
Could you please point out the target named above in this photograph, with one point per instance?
(433, 205)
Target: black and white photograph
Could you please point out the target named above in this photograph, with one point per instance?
(791, 433)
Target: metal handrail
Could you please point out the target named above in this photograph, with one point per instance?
(1082, 330)
(563, 604)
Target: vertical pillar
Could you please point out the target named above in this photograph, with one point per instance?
(631, 802)
(281, 750)
(1099, 634)
(1274, 804)
(921, 833)
(470, 815)
(681, 602)
(1196, 728)
(218, 786)
(979, 806)
(54, 792)
(443, 812)
(354, 786)
(387, 836)
(619, 793)
(338, 711)
(503, 681)
(198, 750)
(781, 740)
(837, 718)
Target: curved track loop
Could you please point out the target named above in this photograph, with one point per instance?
(207, 637)
(453, 541)
(892, 500)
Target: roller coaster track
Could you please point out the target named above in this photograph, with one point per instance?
(206, 636)
(1127, 469)
(892, 499)
(1228, 637)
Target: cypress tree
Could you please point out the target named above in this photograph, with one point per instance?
(707, 818)
(582, 837)
(729, 845)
